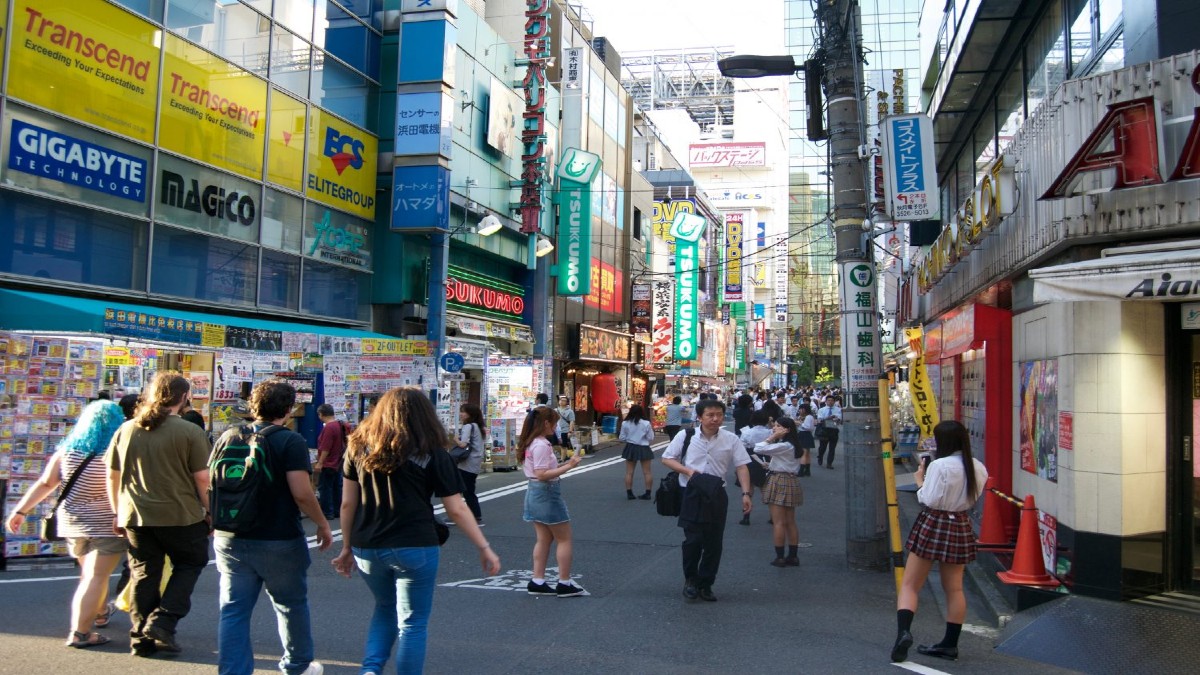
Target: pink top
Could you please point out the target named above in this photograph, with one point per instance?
(539, 456)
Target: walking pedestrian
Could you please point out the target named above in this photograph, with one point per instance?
(711, 452)
(757, 431)
(158, 477)
(471, 434)
(829, 424)
(783, 493)
(804, 430)
(85, 517)
(566, 424)
(948, 488)
(273, 554)
(331, 446)
(544, 505)
(395, 463)
(743, 409)
(638, 435)
(674, 417)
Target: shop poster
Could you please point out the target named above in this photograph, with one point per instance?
(1039, 418)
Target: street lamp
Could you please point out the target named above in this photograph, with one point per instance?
(748, 66)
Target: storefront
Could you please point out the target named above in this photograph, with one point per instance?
(598, 379)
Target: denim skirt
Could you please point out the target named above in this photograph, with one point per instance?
(544, 503)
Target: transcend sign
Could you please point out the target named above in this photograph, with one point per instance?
(466, 293)
(89, 48)
(213, 101)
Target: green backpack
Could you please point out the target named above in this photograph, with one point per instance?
(240, 473)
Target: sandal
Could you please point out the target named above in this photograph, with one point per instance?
(103, 618)
(84, 640)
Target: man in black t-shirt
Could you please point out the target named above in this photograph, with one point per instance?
(275, 553)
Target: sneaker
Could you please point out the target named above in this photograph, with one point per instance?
(313, 668)
(690, 592)
(569, 590)
(539, 589)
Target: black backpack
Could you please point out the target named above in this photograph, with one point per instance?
(240, 470)
(668, 499)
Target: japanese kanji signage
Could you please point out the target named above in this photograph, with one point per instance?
(533, 128)
(423, 124)
(860, 334)
(735, 236)
(924, 400)
(909, 171)
(573, 71)
(420, 198)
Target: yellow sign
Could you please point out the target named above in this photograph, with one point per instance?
(212, 335)
(285, 144)
(118, 356)
(924, 400)
(381, 347)
(341, 165)
(88, 60)
(212, 110)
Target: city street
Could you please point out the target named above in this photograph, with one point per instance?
(818, 618)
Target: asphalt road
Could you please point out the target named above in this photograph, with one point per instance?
(819, 618)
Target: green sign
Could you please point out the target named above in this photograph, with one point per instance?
(687, 228)
(575, 238)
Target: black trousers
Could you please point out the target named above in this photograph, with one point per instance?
(187, 547)
(671, 430)
(830, 443)
(702, 546)
(469, 496)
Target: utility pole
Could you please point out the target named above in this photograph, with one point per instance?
(866, 516)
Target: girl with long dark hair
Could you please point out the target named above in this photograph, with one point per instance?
(638, 435)
(544, 505)
(395, 462)
(804, 429)
(472, 434)
(782, 493)
(948, 489)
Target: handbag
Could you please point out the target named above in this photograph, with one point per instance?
(49, 531)
(668, 499)
(460, 453)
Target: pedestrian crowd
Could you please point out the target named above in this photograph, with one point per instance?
(138, 479)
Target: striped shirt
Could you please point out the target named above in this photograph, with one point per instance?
(85, 512)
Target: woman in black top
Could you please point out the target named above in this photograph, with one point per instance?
(742, 411)
(395, 462)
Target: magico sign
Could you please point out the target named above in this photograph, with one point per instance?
(213, 201)
(341, 162)
(57, 156)
(991, 200)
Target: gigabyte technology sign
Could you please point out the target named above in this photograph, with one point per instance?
(50, 154)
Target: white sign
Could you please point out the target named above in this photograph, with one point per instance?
(1191, 315)
(573, 70)
(735, 197)
(781, 279)
(910, 167)
(860, 329)
(713, 155)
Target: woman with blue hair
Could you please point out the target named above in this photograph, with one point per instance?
(85, 518)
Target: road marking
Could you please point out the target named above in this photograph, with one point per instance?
(512, 580)
(982, 631)
(918, 668)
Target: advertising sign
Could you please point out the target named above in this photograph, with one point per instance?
(925, 406)
(334, 237)
(860, 334)
(687, 230)
(780, 253)
(102, 60)
(200, 198)
(504, 111)
(735, 235)
(575, 172)
(341, 165)
(662, 214)
(151, 326)
(573, 70)
(285, 141)
(738, 197)
(469, 291)
(597, 344)
(55, 156)
(533, 155)
(716, 155)
(607, 288)
(212, 111)
(663, 336)
(642, 312)
(909, 167)
(420, 198)
(423, 124)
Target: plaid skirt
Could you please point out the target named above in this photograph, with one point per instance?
(944, 536)
(783, 489)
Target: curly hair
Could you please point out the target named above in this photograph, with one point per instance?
(94, 430)
(402, 425)
(272, 400)
(535, 421)
(167, 390)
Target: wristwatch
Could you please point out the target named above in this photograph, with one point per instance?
(747, 494)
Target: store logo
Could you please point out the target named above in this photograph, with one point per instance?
(688, 227)
(336, 145)
(578, 166)
(466, 293)
(337, 239)
(861, 275)
(50, 154)
(212, 200)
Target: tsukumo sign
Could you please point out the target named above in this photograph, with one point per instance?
(467, 293)
(687, 230)
(576, 172)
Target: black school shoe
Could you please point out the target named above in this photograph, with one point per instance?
(539, 589)
(900, 650)
(948, 653)
(706, 595)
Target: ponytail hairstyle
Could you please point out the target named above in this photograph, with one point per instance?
(951, 437)
(792, 436)
(636, 414)
(167, 390)
(535, 421)
(474, 416)
(402, 425)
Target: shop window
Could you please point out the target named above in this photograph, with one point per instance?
(296, 15)
(151, 9)
(232, 31)
(196, 266)
(279, 280)
(290, 62)
(344, 36)
(1045, 57)
(329, 290)
(282, 221)
(197, 197)
(342, 91)
(68, 244)
(1010, 107)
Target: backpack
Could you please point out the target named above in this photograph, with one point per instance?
(668, 499)
(240, 470)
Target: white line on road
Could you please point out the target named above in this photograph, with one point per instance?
(918, 668)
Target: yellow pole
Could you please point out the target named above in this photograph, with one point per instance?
(889, 478)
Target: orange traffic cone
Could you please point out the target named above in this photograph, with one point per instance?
(991, 530)
(1028, 569)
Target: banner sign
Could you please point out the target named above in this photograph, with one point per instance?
(860, 334)
(780, 252)
(687, 230)
(739, 346)
(57, 156)
(910, 167)
(760, 334)
(663, 336)
(662, 214)
(573, 71)
(420, 198)
(925, 407)
(575, 172)
(642, 319)
(735, 235)
(607, 286)
(285, 141)
(715, 155)
(341, 165)
(152, 326)
(533, 132)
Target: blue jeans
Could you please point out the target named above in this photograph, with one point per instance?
(402, 581)
(246, 565)
(329, 490)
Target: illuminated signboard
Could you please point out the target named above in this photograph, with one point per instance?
(484, 295)
(341, 165)
(533, 132)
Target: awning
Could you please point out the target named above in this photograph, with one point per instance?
(30, 310)
(1161, 276)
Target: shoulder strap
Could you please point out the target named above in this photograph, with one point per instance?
(687, 441)
(62, 495)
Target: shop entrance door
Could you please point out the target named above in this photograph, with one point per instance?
(1183, 462)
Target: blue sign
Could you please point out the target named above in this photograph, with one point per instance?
(420, 198)
(452, 362)
(760, 311)
(50, 154)
(423, 124)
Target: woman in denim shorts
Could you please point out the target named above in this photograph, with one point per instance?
(544, 505)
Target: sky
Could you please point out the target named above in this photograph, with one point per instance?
(755, 26)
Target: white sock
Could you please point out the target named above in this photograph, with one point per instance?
(538, 582)
(566, 582)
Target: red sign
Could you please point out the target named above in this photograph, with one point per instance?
(467, 293)
(760, 334)
(607, 288)
(1066, 430)
(533, 132)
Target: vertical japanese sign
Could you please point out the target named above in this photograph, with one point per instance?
(642, 312)
(925, 407)
(687, 230)
(575, 173)
(780, 253)
(735, 235)
(663, 332)
(533, 130)
(739, 346)
(420, 198)
(860, 334)
(573, 71)
(910, 174)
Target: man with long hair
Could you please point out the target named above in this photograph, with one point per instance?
(158, 486)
